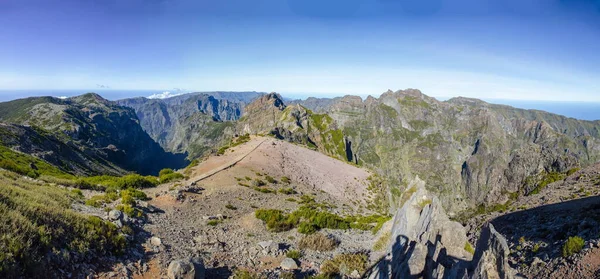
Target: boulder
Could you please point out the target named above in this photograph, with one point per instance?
(186, 269)
(155, 241)
(115, 215)
(288, 264)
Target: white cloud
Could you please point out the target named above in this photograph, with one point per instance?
(164, 95)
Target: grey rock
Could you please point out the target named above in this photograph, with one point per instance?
(288, 264)
(186, 269)
(115, 215)
(155, 241)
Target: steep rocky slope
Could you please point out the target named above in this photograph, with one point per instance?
(538, 226)
(195, 123)
(86, 134)
(469, 152)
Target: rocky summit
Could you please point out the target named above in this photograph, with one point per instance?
(250, 185)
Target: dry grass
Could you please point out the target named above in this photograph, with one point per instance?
(345, 264)
(317, 242)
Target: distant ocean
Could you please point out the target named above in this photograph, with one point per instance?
(7, 95)
(578, 110)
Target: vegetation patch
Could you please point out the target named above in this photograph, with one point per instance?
(572, 246)
(546, 179)
(287, 191)
(294, 254)
(168, 175)
(469, 248)
(36, 220)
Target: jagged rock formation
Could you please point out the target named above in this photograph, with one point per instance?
(194, 123)
(469, 152)
(491, 260)
(426, 244)
(85, 134)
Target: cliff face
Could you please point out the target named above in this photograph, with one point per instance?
(194, 123)
(469, 152)
(99, 134)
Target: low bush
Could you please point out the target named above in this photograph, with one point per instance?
(294, 254)
(287, 191)
(263, 190)
(270, 179)
(130, 210)
(170, 176)
(230, 207)
(307, 228)
(317, 242)
(213, 222)
(286, 180)
(469, 248)
(572, 246)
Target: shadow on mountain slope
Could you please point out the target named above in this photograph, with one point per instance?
(550, 224)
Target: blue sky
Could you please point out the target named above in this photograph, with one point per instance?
(511, 49)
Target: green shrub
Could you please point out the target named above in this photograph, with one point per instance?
(76, 193)
(213, 222)
(165, 172)
(270, 179)
(469, 248)
(130, 210)
(230, 207)
(286, 180)
(573, 245)
(222, 150)
(263, 190)
(275, 220)
(100, 200)
(294, 254)
(287, 191)
(291, 199)
(307, 228)
(169, 177)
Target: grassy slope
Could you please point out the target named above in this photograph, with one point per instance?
(38, 228)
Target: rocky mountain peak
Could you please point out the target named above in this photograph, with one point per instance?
(90, 99)
(266, 102)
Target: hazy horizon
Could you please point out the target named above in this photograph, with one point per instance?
(576, 109)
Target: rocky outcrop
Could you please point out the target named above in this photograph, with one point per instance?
(491, 256)
(425, 243)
